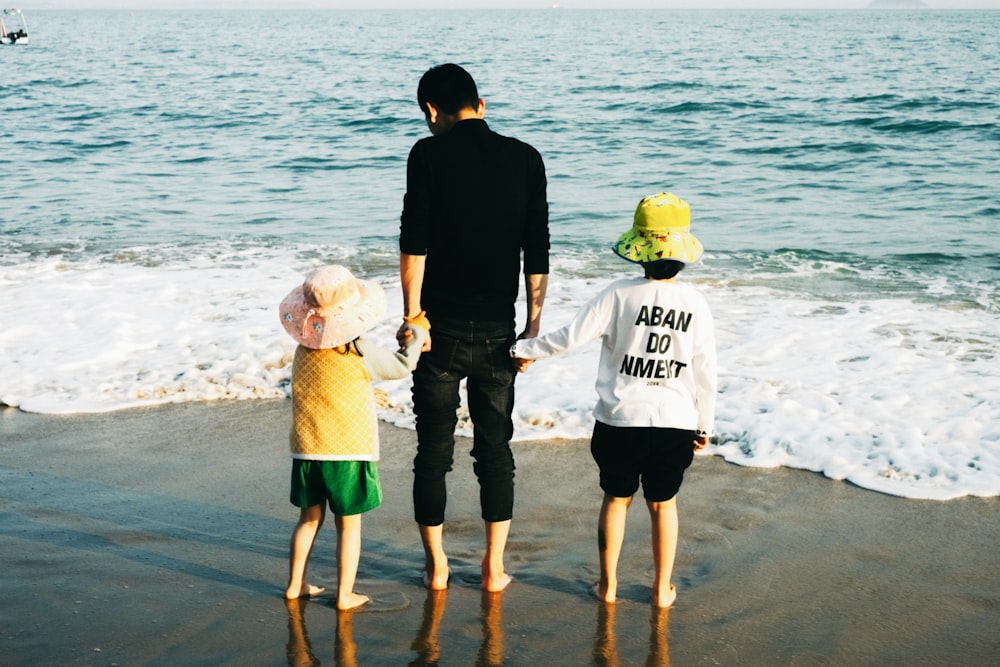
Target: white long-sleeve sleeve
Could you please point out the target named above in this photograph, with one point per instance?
(385, 364)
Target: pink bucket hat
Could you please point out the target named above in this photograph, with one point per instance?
(331, 308)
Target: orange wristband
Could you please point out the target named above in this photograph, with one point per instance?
(419, 320)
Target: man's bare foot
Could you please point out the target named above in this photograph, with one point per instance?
(305, 591)
(496, 584)
(436, 580)
(351, 601)
(604, 593)
(664, 600)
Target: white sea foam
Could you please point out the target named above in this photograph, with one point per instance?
(891, 394)
(98, 335)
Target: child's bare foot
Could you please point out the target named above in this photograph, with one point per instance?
(604, 593)
(436, 579)
(304, 591)
(351, 601)
(664, 600)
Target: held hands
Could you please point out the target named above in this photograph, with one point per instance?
(404, 336)
(700, 442)
(521, 365)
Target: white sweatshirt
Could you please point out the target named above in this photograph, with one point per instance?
(658, 364)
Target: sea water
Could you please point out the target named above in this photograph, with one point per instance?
(168, 177)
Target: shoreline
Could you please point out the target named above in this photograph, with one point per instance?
(159, 536)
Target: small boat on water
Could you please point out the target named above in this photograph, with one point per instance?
(13, 27)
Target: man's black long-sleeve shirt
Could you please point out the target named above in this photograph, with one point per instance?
(475, 200)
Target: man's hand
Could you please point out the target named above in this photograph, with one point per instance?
(404, 336)
(521, 365)
(700, 442)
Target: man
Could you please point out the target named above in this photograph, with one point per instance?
(475, 200)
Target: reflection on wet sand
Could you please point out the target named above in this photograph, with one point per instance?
(344, 650)
(659, 631)
(427, 645)
(491, 650)
(426, 642)
(605, 647)
(605, 643)
(298, 650)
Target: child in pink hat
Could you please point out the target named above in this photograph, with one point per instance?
(334, 435)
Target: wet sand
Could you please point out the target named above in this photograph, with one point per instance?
(159, 537)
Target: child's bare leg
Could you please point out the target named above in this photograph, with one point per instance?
(610, 535)
(310, 520)
(435, 560)
(663, 516)
(494, 577)
(348, 557)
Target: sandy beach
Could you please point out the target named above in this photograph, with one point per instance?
(159, 537)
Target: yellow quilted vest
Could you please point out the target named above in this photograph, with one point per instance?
(333, 407)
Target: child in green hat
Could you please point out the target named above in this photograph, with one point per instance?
(656, 383)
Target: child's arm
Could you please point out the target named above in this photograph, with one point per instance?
(384, 364)
(705, 369)
(589, 323)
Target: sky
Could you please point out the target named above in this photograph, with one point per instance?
(467, 4)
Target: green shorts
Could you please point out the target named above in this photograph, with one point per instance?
(349, 487)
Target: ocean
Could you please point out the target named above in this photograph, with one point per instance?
(169, 176)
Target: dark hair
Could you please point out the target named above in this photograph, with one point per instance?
(662, 269)
(449, 88)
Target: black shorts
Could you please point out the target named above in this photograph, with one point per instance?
(656, 456)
